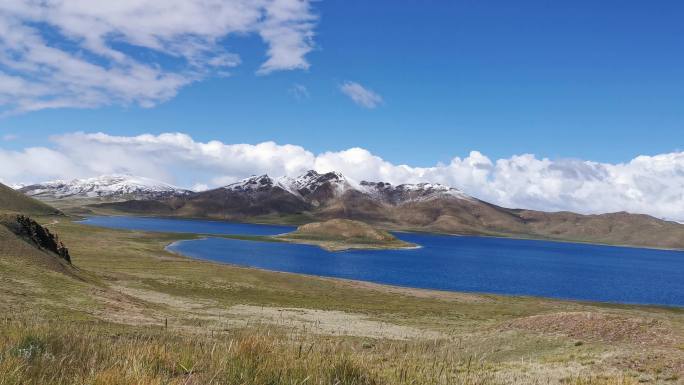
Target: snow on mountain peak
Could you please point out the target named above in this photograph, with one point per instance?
(307, 186)
(104, 186)
(252, 183)
(411, 192)
(312, 180)
(316, 187)
(312, 186)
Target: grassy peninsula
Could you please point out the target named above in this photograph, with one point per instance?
(344, 234)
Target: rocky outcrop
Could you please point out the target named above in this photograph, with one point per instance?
(39, 236)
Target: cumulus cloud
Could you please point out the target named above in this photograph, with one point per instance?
(647, 184)
(74, 53)
(360, 95)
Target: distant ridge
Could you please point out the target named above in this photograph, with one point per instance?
(105, 186)
(319, 188)
(431, 207)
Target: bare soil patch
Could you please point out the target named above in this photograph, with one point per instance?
(328, 322)
(412, 292)
(593, 326)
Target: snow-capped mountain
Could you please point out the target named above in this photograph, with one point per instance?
(316, 188)
(255, 183)
(312, 181)
(405, 193)
(301, 186)
(312, 188)
(429, 207)
(106, 186)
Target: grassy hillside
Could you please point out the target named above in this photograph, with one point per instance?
(142, 315)
(14, 201)
(23, 241)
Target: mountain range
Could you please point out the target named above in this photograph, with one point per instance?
(316, 196)
(107, 186)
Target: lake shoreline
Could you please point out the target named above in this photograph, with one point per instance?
(501, 266)
(476, 296)
(390, 229)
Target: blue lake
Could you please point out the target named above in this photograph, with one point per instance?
(186, 226)
(469, 264)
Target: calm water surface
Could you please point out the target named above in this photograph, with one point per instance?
(473, 264)
(186, 226)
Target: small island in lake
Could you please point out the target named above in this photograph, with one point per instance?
(344, 234)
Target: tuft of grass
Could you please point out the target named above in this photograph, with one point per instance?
(346, 371)
(30, 347)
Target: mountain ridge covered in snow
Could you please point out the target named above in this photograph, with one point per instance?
(105, 186)
(314, 187)
(430, 207)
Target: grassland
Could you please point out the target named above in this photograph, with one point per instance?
(133, 313)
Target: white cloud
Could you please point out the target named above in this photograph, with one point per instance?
(75, 53)
(360, 95)
(200, 187)
(299, 91)
(647, 184)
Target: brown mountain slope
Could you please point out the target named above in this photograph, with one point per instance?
(614, 228)
(223, 203)
(443, 215)
(449, 215)
(216, 204)
(472, 216)
(14, 201)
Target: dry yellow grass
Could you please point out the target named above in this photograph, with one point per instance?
(136, 314)
(37, 353)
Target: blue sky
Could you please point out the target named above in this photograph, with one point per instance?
(602, 81)
(533, 104)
